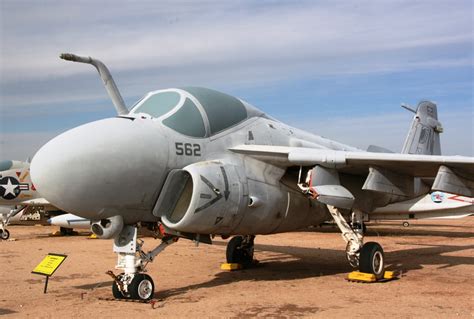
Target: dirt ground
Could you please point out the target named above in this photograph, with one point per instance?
(300, 275)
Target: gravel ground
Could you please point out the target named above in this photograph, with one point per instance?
(300, 274)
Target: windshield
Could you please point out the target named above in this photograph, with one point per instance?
(158, 104)
(187, 120)
(5, 165)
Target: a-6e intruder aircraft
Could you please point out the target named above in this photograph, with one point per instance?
(193, 162)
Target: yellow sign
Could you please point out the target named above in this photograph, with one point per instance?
(49, 264)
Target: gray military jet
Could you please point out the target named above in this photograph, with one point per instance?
(193, 162)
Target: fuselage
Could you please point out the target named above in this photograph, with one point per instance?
(118, 165)
(15, 183)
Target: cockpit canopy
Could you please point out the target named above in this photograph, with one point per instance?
(8, 165)
(196, 112)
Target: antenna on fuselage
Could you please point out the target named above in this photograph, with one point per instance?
(106, 77)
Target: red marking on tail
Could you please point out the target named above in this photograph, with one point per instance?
(457, 198)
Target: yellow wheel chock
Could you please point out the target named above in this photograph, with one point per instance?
(357, 276)
(231, 267)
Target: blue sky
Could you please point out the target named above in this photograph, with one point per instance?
(337, 68)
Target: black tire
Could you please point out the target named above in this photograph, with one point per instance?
(66, 231)
(115, 289)
(372, 259)
(141, 287)
(236, 254)
(5, 234)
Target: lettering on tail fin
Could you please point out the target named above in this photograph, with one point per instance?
(423, 136)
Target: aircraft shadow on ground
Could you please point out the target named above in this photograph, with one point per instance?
(300, 263)
(5, 311)
(382, 230)
(95, 285)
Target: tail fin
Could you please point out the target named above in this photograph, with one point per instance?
(423, 136)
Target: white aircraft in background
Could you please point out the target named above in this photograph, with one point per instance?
(70, 221)
(20, 203)
(193, 162)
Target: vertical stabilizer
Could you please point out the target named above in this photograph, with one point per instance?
(423, 136)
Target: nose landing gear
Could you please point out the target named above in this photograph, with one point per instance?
(133, 283)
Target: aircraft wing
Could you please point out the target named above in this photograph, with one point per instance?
(453, 174)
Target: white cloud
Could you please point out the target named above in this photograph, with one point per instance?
(151, 44)
(368, 37)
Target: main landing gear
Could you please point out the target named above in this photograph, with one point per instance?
(133, 283)
(368, 257)
(4, 233)
(240, 250)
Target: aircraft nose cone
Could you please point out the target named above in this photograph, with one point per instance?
(104, 168)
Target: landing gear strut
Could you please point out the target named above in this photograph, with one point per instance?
(368, 257)
(4, 233)
(133, 283)
(240, 250)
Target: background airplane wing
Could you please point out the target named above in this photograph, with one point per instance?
(35, 202)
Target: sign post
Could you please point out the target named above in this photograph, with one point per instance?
(48, 266)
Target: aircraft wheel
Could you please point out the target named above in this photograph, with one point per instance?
(141, 287)
(66, 231)
(5, 234)
(115, 289)
(237, 254)
(372, 259)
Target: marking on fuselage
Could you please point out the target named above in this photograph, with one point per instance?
(462, 199)
(226, 182)
(10, 188)
(211, 202)
(251, 136)
(218, 219)
(206, 196)
(24, 175)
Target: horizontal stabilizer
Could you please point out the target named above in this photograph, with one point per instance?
(448, 181)
(378, 149)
